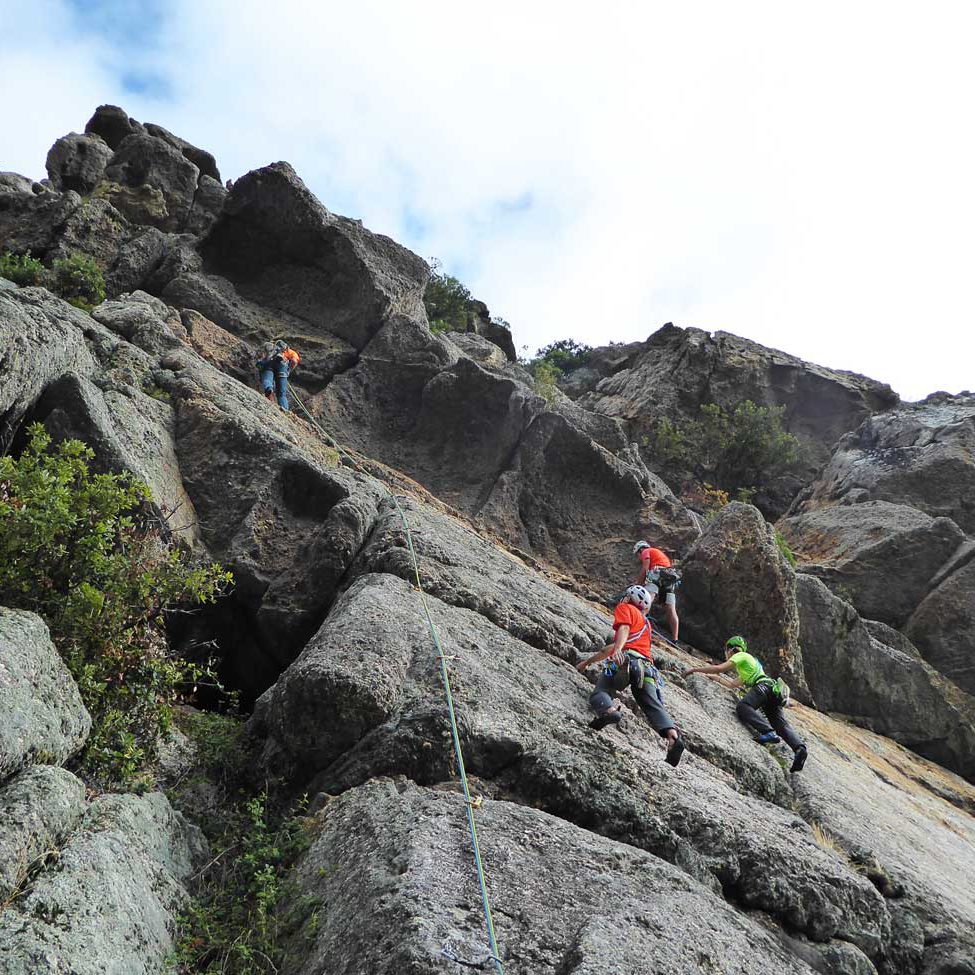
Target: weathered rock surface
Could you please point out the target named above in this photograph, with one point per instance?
(77, 162)
(882, 555)
(15, 183)
(523, 726)
(880, 686)
(907, 825)
(42, 717)
(283, 249)
(564, 900)
(112, 124)
(38, 808)
(135, 262)
(736, 581)
(943, 627)
(110, 903)
(921, 454)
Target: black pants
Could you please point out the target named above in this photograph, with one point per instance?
(761, 696)
(646, 696)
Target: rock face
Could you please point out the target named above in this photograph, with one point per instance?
(77, 162)
(736, 581)
(409, 846)
(111, 902)
(880, 686)
(283, 249)
(42, 718)
(888, 525)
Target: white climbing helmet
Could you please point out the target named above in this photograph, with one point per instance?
(640, 597)
(639, 547)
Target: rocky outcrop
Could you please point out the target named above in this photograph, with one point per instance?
(77, 162)
(42, 717)
(881, 686)
(736, 581)
(920, 455)
(549, 882)
(883, 556)
(678, 369)
(109, 901)
(282, 248)
(15, 183)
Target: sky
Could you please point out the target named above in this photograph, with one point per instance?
(801, 176)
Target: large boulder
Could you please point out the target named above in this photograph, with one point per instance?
(880, 556)
(365, 699)
(880, 686)
(283, 249)
(110, 901)
(42, 716)
(151, 182)
(38, 809)
(15, 183)
(135, 262)
(737, 581)
(943, 625)
(407, 848)
(77, 162)
(200, 158)
(921, 454)
(112, 124)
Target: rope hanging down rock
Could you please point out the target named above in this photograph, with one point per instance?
(470, 802)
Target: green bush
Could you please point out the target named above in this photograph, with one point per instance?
(547, 378)
(447, 302)
(736, 451)
(236, 923)
(78, 280)
(80, 550)
(783, 547)
(566, 355)
(21, 269)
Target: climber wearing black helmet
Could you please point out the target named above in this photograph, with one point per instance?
(761, 707)
(630, 661)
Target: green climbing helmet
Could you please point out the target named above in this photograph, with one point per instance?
(738, 642)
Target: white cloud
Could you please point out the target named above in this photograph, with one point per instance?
(801, 177)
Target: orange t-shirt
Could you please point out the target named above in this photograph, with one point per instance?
(639, 638)
(293, 358)
(653, 558)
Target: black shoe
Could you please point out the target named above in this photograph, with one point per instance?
(801, 754)
(674, 752)
(606, 718)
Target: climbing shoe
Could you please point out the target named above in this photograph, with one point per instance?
(674, 752)
(606, 718)
(769, 738)
(800, 758)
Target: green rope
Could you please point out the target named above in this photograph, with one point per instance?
(458, 753)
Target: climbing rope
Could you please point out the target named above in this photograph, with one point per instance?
(470, 802)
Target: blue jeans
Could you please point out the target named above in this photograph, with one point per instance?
(274, 379)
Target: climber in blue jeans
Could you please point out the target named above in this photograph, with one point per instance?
(278, 360)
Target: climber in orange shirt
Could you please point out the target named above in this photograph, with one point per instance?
(660, 578)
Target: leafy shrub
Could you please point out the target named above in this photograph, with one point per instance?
(706, 499)
(547, 378)
(566, 355)
(21, 269)
(447, 302)
(735, 451)
(236, 924)
(79, 549)
(78, 280)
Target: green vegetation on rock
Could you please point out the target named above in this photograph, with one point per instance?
(77, 278)
(736, 451)
(83, 552)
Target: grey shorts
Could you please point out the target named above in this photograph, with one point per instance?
(655, 587)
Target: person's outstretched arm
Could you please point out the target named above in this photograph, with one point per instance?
(610, 650)
(713, 669)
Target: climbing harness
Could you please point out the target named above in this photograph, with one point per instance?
(470, 802)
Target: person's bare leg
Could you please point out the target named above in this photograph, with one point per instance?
(670, 611)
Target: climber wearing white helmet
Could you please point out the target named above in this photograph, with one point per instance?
(660, 578)
(630, 661)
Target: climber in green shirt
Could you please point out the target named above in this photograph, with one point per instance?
(761, 707)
